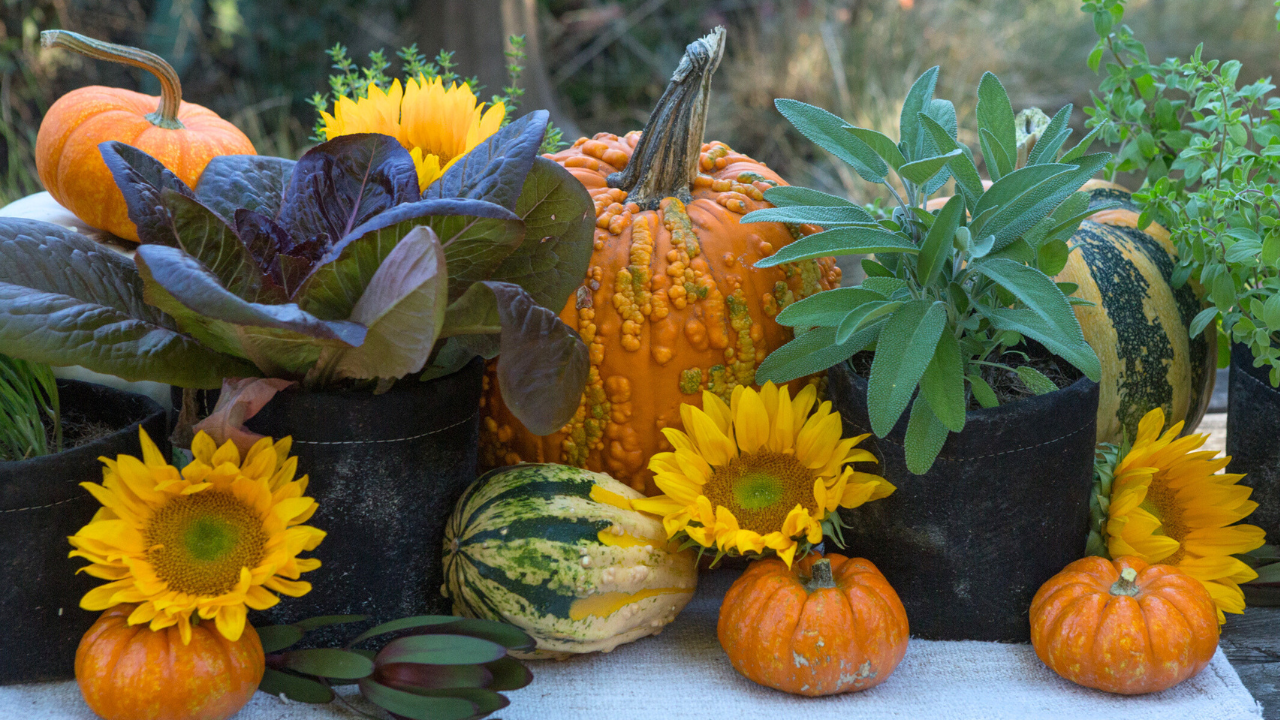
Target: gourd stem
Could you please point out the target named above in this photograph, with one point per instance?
(820, 576)
(1126, 585)
(665, 162)
(165, 116)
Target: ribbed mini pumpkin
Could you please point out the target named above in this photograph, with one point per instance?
(1139, 324)
(671, 303)
(131, 672)
(1124, 626)
(183, 136)
(558, 552)
(823, 626)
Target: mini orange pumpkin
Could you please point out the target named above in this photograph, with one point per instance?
(183, 136)
(1124, 626)
(134, 673)
(671, 304)
(826, 625)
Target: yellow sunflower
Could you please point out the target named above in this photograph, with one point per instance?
(211, 539)
(437, 125)
(1168, 504)
(758, 473)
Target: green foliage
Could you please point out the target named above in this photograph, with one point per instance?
(1208, 150)
(427, 667)
(949, 291)
(29, 413)
(352, 81)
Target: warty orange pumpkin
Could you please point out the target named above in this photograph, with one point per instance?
(829, 624)
(183, 136)
(130, 672)
(671, 303)
(1124, 626)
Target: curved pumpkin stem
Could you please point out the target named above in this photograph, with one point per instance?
(1126, 585)
(820, 576)
(665, 162)
(165, 116)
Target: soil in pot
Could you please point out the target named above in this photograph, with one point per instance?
(41, 503)
(386, 471)
(1253, 436)
(1003, 509)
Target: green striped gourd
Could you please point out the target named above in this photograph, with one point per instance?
(558, 551)
(1139, 323)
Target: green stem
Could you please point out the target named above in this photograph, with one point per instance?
(665, 162)
(1126, 585)
(166, 116)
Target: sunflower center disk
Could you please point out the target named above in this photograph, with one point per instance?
(200, 542)
(760, 489)
(1162, 502)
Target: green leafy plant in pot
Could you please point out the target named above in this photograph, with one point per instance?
(335, 277)
(1207, 148)
(42, 461)
(958, 309)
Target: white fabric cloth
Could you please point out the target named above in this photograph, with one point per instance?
(683, 673)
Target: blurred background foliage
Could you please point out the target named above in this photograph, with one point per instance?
(601, 64)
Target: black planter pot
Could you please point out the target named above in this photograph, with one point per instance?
(386, 470)
(1002, 510)
(41, 503)
(1253, 436)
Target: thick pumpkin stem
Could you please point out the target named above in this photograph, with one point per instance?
(820, 576)
(665, 162)
(1126, 585)
(165, 116)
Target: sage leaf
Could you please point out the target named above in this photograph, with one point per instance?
(830, 133)
(942, 384)
(792, 196)
(925, 437)
(904, 350)
(935, 250)
(840, 241)
(812, 352)
(1035, 380)
(825, 309)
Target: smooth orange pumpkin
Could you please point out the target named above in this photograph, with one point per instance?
(671, 304)
(133, 673)
(183, 136)
(829, 624)
(1124, 626)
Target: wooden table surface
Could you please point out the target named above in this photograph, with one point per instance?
(1252, 640)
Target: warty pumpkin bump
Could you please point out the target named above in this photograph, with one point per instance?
(671, 303)
(183, 136)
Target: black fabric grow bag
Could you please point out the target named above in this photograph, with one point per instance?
(1253, 436)
(386, 470)
(1002, 510)
(41, 503)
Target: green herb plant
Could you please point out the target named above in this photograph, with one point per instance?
(427, 667)
(949, 291)
(1207, 150)
(352, 80)
(30, 420)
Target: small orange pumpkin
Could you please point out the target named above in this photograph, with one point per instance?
(134, 673)
(671, 304)
(1124, 626)
(826, 625)
(183, 136)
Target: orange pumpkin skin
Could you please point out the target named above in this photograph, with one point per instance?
(72, 169)
(134, 673)
(813, 641)
(670, 306)
(1162, 634)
